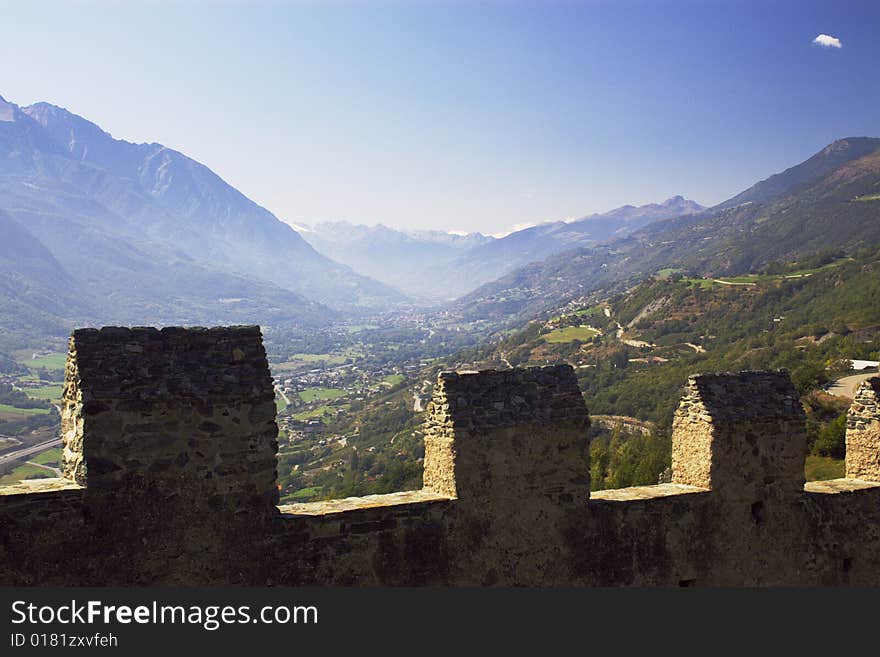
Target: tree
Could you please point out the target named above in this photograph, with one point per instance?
(808, 376)
(620, 359)
(598, 463)
(832, 439)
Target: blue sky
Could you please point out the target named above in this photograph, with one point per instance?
(459, 115)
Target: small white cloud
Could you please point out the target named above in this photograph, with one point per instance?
(827, 41)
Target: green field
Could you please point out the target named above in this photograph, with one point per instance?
(700, 282)
(25, 471)
(315, 358)
(569, 334)
(754, 279)
(51, 393)
(314, 413)
(663, 274)
(394, 379)
(311, 394)
(50, 361)
(820, 468)
(592, 311)
(12, 410)
(744, 280)
(302, 495)
(280, 404)
(307, 361)
(747, 279)
(49, 457)
(300, 361)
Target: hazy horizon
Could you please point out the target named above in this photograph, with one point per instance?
(459, 117)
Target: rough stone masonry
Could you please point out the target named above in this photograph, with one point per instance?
(863, 432)
(169, 478)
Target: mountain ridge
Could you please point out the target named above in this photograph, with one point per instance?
(123, 233)
(410, 259)
(496, 259)
(168, 197)
(833, 155)
(405, 259)
(799, 214)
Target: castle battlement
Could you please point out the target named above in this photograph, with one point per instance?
(169, 478)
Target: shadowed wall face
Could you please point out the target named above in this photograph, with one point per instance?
(188, 413)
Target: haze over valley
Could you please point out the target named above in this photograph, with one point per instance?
(359, 319)
(394, 190)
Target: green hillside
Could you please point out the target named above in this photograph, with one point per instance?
(810, 318)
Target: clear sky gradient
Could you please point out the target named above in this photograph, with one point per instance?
(459, 115)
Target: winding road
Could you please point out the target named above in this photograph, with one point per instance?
(847, 386)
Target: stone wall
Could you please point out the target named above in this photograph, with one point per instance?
(721, 428)
(863, 432)
(178, 408)
(511, 447)
(470, 414)
(171, 436)
(174, 486)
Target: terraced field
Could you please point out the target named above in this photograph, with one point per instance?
(570, 333)
(311, 394)
(55, 361)
(11, 412)
(52, 393)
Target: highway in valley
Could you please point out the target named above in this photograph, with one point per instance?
(29, 451)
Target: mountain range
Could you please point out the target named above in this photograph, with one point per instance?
(412, 260)
(407, 260)
(830, 201)
(499, 257)
(140, 232)
(97, 230)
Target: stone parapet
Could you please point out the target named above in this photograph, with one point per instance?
(741, 435)
(170, 448)
(188, 411)
(863, 433)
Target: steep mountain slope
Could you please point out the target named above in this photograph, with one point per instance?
(36, 292)
(838, 209)
(62, 175)
(41, 297)
(821, 164)
(407, 260)
(490, 261)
